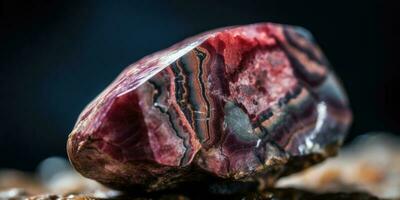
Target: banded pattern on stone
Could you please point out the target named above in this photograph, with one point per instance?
(232, 102)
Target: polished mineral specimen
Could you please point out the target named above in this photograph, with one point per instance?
(242, 103)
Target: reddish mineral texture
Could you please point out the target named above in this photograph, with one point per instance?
(241, 103)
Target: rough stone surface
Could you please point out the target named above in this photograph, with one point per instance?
(241, 103)
(270, 194)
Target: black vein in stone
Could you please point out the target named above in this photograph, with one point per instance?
(155, 99)
(201, 55)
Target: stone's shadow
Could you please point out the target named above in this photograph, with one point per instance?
(268, 194)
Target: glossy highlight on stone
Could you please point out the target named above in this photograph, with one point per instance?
(238, 103)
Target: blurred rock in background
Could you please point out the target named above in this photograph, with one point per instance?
(371, 163)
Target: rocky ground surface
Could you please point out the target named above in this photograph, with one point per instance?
(369, 168)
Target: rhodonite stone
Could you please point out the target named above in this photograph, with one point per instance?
(240, 103)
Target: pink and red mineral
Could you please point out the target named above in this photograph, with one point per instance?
(238, 104)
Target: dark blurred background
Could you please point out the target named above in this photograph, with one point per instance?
(56, 56)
